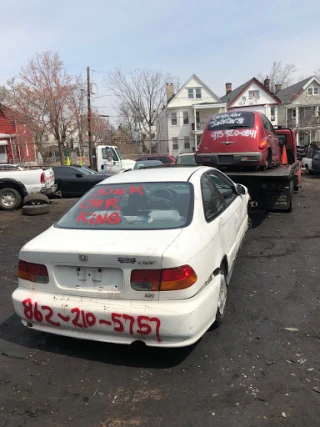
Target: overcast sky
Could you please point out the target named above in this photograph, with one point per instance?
(219, 41)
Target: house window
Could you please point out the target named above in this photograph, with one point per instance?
(294, 113)
(174, 121)
(198, 140)
(175, 145)
(198, 92)
(254, 94)
(185, 118)
(310, 90)
(186, 142)
(46, 138)
(190, 93)
(316, 91)
(198, 116)
(273, 113)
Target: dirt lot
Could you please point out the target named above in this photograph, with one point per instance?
(260, 368)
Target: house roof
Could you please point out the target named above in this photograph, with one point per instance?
(290, 93)
(194, 76)
(232, 96)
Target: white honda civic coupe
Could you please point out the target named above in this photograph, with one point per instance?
(143, 256)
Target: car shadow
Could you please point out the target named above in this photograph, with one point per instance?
(136, 355)
(256, 218)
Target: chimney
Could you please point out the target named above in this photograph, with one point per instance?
(266, 83)
(228, 88)
(170, 91)
(278, 87)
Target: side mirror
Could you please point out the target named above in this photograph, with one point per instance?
(79, 175)
(240, 189)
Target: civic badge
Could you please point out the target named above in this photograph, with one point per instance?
(83, 258)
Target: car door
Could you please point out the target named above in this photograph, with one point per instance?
(234, 219)
(68, 181)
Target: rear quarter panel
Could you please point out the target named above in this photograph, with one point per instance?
(199, 245)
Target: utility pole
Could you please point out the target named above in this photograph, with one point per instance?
(89, 118)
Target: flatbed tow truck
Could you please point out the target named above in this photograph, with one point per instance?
(273, 189)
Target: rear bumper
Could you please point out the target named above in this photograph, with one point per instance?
(176, 323)
(232, 159)
(49, 190)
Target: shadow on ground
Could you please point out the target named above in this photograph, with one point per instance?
(135, 355)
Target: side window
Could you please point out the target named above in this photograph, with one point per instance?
(267, 124)
(165, 160)
(224, 187)
(213, 203)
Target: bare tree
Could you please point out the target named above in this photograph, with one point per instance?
(141, 95)
(25, 108)
(279, 73)
(43, 97)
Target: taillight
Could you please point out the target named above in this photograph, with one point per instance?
(36, 273)
(42, 178)
(170, 279)
(263, 145)
(145, 280)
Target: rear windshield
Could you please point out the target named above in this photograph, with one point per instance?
(231, 121)
(186, 160)
(132, 206)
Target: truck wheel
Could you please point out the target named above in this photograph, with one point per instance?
(32, 210)
(10, 199)
(35, 199)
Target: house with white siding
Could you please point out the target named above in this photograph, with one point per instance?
(254, 96)
(300, 110)
(180, 124)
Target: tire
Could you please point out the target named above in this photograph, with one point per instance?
(35, 199)
(10, 199)
(32, 210)
(221, 309)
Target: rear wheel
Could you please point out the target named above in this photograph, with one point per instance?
(10, 199)
(222, 300)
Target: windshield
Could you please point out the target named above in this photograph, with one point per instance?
(118, 152)
(186, 160)
(132, 206)
(231, 121)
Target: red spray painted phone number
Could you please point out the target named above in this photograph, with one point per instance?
(82, 319)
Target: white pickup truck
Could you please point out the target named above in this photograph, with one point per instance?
(109, 160)
(15, 184)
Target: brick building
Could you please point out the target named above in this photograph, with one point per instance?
(16, 140)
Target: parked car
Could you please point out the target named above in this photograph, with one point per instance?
(316, 162)
(312, 164)
(186, 159)
(166, 159)
(15, 184)
(73, 181)
(142, 164)
(239, 138)
(115, 267)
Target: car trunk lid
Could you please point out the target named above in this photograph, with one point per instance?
(97, 263)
